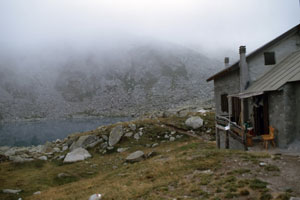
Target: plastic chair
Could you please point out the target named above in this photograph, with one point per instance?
(268, 137)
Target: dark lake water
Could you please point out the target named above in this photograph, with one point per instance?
(27, 133)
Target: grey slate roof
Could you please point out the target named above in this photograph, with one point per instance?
(287, 70)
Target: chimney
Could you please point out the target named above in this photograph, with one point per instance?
(244, 72)
(226, 62)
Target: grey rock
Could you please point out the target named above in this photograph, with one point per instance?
(151, 154)
(135, 156)
(155, 145)
(172, 139)
(56, 149)
(43, 158)
(11, 191)
(110, 148)
(78, 154)
(194, 122)
(136, 136)
(61, 157)
(19, 159)
(84, 141)
(37, 193)
(57, 141)
(10, 152)
(115, 135)
(47, 147)
(65, 148)
(104, 145)
(179, 136)
(132, 127)
(129, 134)
(120, 150)
(62, 175)
(262, 164)
(95, 197)
(104, 137)
(94, 143)
(166, 136)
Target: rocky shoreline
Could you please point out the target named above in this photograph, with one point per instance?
(104, 138)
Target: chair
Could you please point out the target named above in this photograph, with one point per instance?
(268, 137)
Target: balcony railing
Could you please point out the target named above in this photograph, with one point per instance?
(231, 128)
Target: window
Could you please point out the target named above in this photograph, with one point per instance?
(269, 58)
(224, 103)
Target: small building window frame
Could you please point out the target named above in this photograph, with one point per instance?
(224, 103)
(270, 58)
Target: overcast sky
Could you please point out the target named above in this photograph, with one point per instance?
(207, 24)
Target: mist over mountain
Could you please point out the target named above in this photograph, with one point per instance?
(121, 80)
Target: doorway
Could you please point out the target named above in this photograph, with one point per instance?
(261, 114)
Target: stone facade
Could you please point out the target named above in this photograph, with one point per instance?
(229, 84)
(283, 104)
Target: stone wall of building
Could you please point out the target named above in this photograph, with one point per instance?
(277, 117)
(297, 110)
(229, 84)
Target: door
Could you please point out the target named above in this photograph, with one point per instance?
(261, 115)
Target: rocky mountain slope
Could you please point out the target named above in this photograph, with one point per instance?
(68, 82)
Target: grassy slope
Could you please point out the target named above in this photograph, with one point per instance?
(177, 171)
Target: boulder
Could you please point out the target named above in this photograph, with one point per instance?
(56, 149)
(120, 150)
(62, 175)
(10, 152)
(19, 159)
(155, 145)
(194, 122)
(115, 135)
(78, 154)
(85, 141)
(95, 197)
(129, 134)
(132, 127)
(47, 148)
(42, 158)
(136, 136)
(37, 193)
(135, 156)
(65, 148)
(10, 191)
(104, 137)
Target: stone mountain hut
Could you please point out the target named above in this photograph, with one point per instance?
(260, 91)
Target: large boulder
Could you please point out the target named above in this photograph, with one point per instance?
(135, 156)
(78, 154)
(115, 135)
(194, 122)
(86, 141)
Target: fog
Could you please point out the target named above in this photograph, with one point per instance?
(215, 27)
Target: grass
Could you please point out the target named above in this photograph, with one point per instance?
(187, 168)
